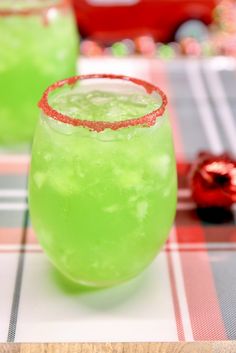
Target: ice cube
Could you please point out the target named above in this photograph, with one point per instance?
(61, 128)
(64, 180)
(166, 192)
(129, 179)
(48, 157)
(100, 100)
(142, 208)
(139, 99)
(112, 208)
(160, 164)
(39, 178)
(133, 199)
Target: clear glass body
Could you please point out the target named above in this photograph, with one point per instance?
(102, 203)
(38, 45)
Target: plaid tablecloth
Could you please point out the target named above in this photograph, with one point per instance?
(189, 292)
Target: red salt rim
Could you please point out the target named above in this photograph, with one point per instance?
(33, 11)
(98, 126)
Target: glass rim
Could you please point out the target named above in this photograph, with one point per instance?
(33, 10)
(146, 120)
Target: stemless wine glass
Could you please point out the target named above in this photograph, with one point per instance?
(103, 177)
(38, 46)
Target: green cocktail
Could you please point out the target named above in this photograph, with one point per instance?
(38, 45)
(102, 189)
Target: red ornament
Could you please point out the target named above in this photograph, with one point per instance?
(213, 180)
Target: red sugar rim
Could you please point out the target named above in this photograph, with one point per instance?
(33, 11)
(98, 126)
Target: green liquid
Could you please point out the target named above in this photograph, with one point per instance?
(102, 204)
(33, 54)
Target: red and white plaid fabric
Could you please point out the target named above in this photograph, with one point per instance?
(189, 292)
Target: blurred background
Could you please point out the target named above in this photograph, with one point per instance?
(157, 28)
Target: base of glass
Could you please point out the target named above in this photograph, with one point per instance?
(96, 285)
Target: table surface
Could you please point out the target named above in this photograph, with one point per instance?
(189, 292)
(187, 347)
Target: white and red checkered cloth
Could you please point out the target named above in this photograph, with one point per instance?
(189, 292)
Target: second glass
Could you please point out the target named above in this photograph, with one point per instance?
(38, 45)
